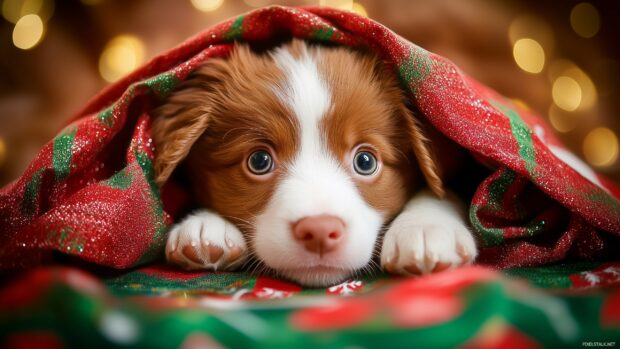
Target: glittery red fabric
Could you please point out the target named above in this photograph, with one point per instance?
(90, 191)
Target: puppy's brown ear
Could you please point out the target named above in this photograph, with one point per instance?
(182, 119)
(417, 138)
(423, 152)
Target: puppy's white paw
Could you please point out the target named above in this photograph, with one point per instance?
(205, 240)
(426, 248)
(428, 236)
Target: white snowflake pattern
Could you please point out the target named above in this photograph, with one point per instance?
(346, 288)
(591, 277)
(270, 293)
(614, 271)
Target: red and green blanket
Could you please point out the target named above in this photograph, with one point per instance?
(90, 194)
(160, 307)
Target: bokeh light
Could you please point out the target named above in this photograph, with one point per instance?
(561, 120)
(257, 3)
(341, 4)
(14, 10)
(359, 9)
(121, 55)
(566, 93)
(563, 67)
(588, 89)
(585, 20)
(600, 147)
(345, 5)
(28, 32)
(529, 26)
(207, 5)
(529, 55)
(38, 7)
(11, 10)
(2, 152)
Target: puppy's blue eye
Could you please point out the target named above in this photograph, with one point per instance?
(365, 163)
(260, 162)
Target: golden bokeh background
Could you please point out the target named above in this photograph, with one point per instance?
(559, 58)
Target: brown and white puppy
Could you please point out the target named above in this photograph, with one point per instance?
(300, 157)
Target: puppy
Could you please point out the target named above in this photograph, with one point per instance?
(300, 157)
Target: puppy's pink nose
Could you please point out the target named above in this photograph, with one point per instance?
(319, 234)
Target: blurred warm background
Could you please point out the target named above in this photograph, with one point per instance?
(560, 58)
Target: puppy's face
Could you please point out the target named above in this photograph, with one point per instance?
(309, 151)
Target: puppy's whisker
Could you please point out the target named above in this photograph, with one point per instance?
(254, 266)
(237, 219)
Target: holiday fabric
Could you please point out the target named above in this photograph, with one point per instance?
(161, 307)
(90, 194)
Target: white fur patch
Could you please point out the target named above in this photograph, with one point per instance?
(304, 91)
(202, 229)
(314, 184)
(429, 232)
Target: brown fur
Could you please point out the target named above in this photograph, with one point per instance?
(227, 109)
(243, 115)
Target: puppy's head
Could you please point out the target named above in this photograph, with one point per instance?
(308, 150)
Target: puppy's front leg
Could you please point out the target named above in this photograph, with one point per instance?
(429, 235)
(205, 240)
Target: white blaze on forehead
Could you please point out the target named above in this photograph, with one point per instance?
(304, 91)
(308, 96)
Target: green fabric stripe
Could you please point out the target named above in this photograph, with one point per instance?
(61, 158)
(551, 276)
(236, 29)
(106, 117)
(489, 236)
(157, 244)
(149, 172)
(66, 240)
(598, 198)
(134, 283)
(498, 188)
(602, 198)
(31, 193)
(162, 84)
(523, 135)
(323, 34)
(120, 180)
(414, 70)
